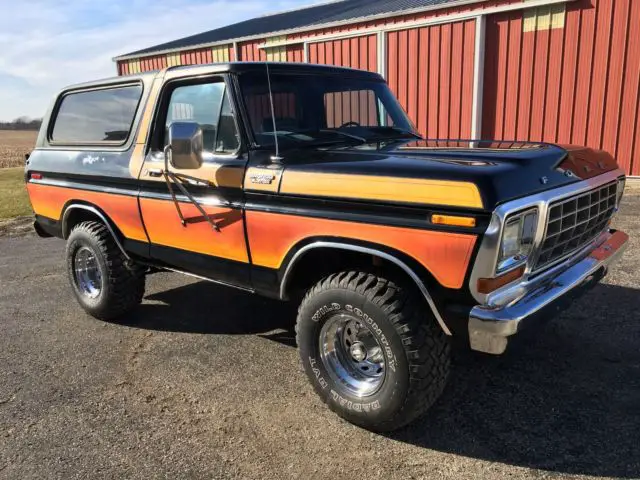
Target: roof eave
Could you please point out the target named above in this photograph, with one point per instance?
(309, 28)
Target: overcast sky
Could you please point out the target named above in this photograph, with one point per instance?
(48, 44)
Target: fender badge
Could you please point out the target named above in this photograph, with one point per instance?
(544, 180)
(569, 173)
(262, 179)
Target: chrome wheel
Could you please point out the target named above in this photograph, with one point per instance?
(87, 274)
(352, 355)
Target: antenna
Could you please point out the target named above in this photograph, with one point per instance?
(274, 158)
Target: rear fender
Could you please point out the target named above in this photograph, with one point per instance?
(72, 208)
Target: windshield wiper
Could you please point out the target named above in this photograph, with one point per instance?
(402, 131)
(344, 134)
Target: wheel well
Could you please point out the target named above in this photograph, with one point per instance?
(320, 262)
(75, 214)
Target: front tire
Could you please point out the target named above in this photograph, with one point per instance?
(104, 282)
(371, 350)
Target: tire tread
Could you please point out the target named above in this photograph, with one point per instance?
(426, 346)
(126, 281)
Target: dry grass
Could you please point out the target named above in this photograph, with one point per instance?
(13, 146)
(13, 193)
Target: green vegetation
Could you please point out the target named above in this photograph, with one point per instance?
(13, 195)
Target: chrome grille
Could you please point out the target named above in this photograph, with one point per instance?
(574, 222)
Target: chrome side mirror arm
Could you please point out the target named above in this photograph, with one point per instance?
(179, 180)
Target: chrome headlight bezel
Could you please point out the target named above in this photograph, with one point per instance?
(620, 190)
(517, 240)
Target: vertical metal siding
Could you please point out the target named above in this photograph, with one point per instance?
(249, 51)
(278, 53)
(199, 56)
(578, 83)
(295, 53)
(628, 139)
(430, 70)
(357, 52)
(221, 53)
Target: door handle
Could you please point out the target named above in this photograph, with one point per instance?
(155, 172)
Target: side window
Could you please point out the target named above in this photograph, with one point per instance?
(96, 116)
(208, 105)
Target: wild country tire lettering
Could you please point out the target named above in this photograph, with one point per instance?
(355, 406)
(316, 371)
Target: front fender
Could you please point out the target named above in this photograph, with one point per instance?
(375, 251)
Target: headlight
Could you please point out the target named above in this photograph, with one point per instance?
(620, 191)
(518, 236)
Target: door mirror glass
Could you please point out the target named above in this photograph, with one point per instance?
(185, 145)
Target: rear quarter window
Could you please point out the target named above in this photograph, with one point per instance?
(102, 116)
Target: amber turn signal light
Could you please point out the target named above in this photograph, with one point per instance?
(452, 220)
(488, 285)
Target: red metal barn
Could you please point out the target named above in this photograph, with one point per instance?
(565, 71)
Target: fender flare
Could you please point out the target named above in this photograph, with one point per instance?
(81, 206)
(372, 251)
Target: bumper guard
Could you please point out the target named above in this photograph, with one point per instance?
(490, 328)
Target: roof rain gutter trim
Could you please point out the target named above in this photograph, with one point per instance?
(306, 28)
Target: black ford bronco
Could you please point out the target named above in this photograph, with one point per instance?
(310, 184)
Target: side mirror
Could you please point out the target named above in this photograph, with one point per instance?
(184, 150)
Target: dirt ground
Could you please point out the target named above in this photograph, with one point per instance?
(204, 382)
(16, 227)
(13, 146)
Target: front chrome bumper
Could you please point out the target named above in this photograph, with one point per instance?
(490, 327)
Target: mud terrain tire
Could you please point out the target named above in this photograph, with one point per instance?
(416, 351)
(104, 282)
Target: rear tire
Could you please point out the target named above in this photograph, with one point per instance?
(372, 350)
(104, 282)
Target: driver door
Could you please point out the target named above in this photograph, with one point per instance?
(196, 247)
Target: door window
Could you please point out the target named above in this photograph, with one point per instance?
(208, 105)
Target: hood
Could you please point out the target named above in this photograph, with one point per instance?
(502, 171)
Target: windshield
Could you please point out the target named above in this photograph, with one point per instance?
(322, 109)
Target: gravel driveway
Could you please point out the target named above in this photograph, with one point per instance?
(204, 382)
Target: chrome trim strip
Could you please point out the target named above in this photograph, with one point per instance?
(386, 256)
(96, 212)
(487, 257)
(209, 200)
(490, 327)
(200, 277)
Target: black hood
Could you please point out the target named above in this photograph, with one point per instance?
(503, 171)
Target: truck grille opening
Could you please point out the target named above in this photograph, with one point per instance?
(574, 222)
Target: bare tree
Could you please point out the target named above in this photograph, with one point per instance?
(22, 123)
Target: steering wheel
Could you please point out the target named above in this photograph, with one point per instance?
(350, 124)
